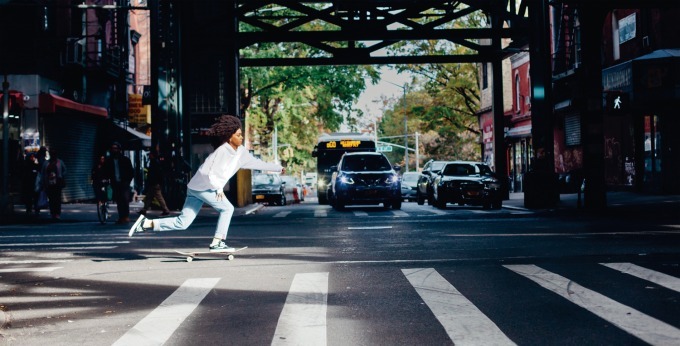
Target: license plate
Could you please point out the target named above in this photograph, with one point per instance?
(259, 196)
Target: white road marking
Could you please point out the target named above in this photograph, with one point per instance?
(320, 213)
(636, 323)
(34, 261)
(282, 214)
(463, 322)
(400, 213)
(22, 270)
(303, 318)
(370, 227)
(63, 244)
(360, 213)
(437, 211)
(658, 278)
(159, 325)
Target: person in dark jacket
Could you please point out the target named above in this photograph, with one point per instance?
(54, 181)
(154, 185)
(30, 172)
(118, 169)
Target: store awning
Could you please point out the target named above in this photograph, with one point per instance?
(51, 103)
(130, 138)
(519, 131)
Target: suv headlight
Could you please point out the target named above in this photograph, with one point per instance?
(346, 180)
(493, 186)
(393, 179)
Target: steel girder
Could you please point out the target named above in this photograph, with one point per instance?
(360, 29)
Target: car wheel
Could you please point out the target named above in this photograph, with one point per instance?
(396, 204)
(387, 205)
(439, 204)
(420, 199)
(497, 205)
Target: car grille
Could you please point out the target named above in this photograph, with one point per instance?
(369, 180)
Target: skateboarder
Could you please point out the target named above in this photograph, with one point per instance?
(206, 186)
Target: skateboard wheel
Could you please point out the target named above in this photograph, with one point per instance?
(230, 257)
(189, 259)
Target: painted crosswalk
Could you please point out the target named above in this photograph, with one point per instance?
(304, 319)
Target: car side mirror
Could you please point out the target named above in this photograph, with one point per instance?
(334, 168)
(397, 168)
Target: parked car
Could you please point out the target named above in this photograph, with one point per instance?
(428, 174)
(269, 188)
(292, 188)
(409, 186)
(365, 178)
(465, 182)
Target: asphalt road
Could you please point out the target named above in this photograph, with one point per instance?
(364, 276)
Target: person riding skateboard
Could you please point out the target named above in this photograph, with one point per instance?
(207, 185)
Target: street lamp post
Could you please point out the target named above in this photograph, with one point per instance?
(4, 197)
(403, 88)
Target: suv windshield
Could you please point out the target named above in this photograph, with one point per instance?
(410, 178)
(459, 169)
(265, 179)
(358, 163)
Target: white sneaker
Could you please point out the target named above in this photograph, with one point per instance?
(221, 247)
(138, 226)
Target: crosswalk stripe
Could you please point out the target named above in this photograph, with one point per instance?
(22, 270)
(303, 318)
(658, 278)
(157, 327)
(320, 213)
(400, 213)
(437, 211)
(71, 243)
(463, 322)
(282, 214)
(634, 322)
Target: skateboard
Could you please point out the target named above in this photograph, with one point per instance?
(192, 254)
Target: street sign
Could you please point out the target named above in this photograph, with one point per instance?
(384, 148)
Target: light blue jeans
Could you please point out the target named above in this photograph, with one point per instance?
(192, 205)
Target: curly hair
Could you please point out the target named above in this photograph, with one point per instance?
(223, 128)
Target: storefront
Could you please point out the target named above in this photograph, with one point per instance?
(521, 151)
(642, 111)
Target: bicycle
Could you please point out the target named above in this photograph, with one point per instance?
(103, 202)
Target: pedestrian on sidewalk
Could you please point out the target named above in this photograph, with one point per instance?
(29, 174)
(119, 171)
(54, 181)
(154, 184)
(207, 185)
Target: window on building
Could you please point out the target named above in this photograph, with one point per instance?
(518, 97)
(616, 51)
(485, 76)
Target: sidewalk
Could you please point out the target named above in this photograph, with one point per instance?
(618, 202)
(87, 212)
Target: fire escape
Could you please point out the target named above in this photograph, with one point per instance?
(566, 58)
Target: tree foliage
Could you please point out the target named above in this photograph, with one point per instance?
(444, 99)
(300, 101)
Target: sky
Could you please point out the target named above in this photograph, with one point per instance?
(369, 99)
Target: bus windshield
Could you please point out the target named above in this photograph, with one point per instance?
(330, 149)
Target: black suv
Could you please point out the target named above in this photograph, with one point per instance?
(364, 178)
(465, 182)
(429, 172)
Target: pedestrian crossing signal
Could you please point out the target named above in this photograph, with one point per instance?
(617, 103)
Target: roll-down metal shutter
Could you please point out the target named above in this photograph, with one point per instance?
(74, 137)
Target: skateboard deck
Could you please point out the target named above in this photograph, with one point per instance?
(193, 254)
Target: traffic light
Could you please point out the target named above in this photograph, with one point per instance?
(618, 102)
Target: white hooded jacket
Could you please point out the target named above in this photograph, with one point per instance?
(222, 164)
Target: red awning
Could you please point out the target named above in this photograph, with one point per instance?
(18, 96)
(49, 103)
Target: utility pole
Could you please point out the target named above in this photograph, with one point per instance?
(405, 132)
(4, 194)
